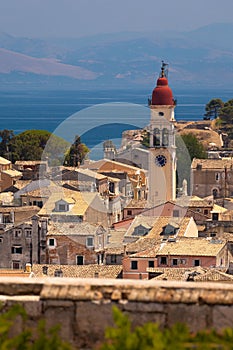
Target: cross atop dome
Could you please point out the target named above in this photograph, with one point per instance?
(164, 70)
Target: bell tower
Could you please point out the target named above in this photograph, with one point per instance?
(162, 151)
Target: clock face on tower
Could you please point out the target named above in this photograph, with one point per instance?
(160, 160)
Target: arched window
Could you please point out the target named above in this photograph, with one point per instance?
(165, 137)
(156, 137)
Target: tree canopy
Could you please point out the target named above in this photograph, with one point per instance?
(41, 145)
(77, 153)
(30, 145)
(194, 147)
(224, 113)
(6, 136)
(188, 147)
(213, 107)
(223, 110)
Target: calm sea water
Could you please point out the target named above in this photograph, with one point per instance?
(52, 111)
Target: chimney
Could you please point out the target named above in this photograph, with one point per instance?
(28, 268)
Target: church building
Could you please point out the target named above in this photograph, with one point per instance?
(162, 151)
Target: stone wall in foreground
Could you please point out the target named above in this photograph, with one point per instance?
(83, 307)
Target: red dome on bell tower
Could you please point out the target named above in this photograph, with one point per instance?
(162, 93)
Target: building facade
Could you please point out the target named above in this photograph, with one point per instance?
(212, 177)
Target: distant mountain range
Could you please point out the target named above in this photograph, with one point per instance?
(199, 58)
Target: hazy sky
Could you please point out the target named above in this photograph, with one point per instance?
(43, 18)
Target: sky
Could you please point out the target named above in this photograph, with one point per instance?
(77, 18)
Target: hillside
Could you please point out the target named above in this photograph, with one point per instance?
(11, 61)
(202, 130)
(198, 58)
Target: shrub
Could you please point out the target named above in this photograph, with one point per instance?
(151, 337)
(28, 339)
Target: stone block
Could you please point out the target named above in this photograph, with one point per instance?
(31, 304)
(222, 316)
(144, 307)
(90, 322)
(33, 308)
(195, 316)
(58, 303)
(140, 318)
(62, 316)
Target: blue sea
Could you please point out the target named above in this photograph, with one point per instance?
(94, 115)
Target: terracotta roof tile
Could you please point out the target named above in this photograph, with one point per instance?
(76, 228)
(214, 275)
(192, 247)
(30, 162)
(213, 163)
(141, 244)
(82, 201)
(79, 271)
(175, 274)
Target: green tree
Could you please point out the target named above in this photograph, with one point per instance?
(194, 146)
(77, 153)
(6, 136)
(213, 107)
(225, 119)
(188, 147)
(37, 144)
(226, 113)
(36, 338)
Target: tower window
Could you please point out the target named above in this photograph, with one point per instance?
(161, 114)
(156, 137)
(165, 137)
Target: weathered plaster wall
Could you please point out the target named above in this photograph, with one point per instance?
(83, 307)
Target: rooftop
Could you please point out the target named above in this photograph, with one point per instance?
(80, 228)
(12, 173)
(82, 200)
(79, 271)
(30, 162)
(224, 163)
(192, 247)
(4, 161)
